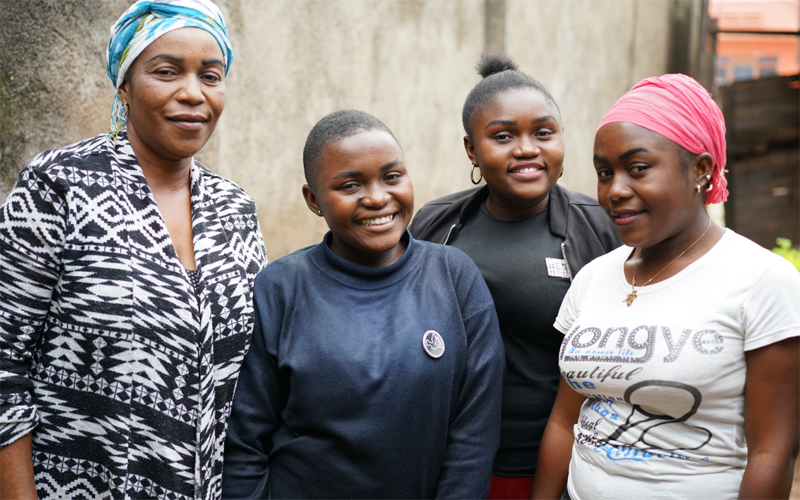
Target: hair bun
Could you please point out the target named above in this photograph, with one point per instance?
(491, 63)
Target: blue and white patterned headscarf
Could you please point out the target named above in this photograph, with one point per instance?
(142, 24)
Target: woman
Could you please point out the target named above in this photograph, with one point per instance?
(528, 237)
(680, 357)
(376, 363)
(126, 303)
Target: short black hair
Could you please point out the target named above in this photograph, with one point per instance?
(333, 128)
(499, 74)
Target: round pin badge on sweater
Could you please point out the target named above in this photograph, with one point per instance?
(433, 343)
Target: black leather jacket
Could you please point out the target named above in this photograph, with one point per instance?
(578, 219)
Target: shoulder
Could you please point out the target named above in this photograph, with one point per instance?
(437, 255)
(602, 266)
(575, 198)
(89, 154)
(284, 274)
(458, 198)
(223, 189)
(436, 216)
(585, 204)
(444, 263)
(757, 259)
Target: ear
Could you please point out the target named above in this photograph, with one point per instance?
(311, 200)
(703, 167)
(470, 149)
(123, 92)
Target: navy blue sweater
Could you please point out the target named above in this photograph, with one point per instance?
(337, 397)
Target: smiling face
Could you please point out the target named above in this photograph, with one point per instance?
(364, 192)
(517, 143)
(643, 186)
(176, 92)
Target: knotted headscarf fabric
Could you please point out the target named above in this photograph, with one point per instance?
(142, 24)
(680, 109)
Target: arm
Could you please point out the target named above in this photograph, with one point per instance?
(771, 414)
(473, 434)
(556, 450)
(474, 431)
(16, 471)
(256, 407)
(32, 222)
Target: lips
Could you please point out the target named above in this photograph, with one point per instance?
(528, 171)
(377, 221)
(188, 121)
(625, 217)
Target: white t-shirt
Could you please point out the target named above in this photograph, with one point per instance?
(665, 377)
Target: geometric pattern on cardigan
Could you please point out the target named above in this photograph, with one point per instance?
(120, 368)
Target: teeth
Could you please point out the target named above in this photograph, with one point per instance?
(526, 170)
(379, 220)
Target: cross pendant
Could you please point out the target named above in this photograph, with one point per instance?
(630, 298)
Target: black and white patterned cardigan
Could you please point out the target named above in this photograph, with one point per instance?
(105, 353)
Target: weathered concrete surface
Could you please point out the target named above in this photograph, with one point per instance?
(587, 53)
(409, 62)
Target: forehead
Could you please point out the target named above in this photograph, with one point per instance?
(184, 43)
(363, 151)
(619, 137)
(524, 102)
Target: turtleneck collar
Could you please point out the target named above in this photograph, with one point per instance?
(360, 277)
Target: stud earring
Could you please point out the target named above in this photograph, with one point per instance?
(472, 175)
(699, 187)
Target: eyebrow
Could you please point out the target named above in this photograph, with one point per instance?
(344, 174)
(500, 122)
(179, 60)
(167, 57)
(632, 152)
(512, 122)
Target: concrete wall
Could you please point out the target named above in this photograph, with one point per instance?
(409, 62)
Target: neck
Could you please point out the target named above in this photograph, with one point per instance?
(162, 174)
(510, 211)
(369, 259)
(675, 245)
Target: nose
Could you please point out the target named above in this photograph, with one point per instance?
(526, 147)
(375, 196)
(191, 91)
(619, 188)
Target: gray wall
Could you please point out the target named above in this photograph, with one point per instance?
(409, 62)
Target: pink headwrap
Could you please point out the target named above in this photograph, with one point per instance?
(680, 109)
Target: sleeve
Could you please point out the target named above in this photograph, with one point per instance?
(474, 431)
(570, 306)
(257, 404)
(32, 226)
(771, 311)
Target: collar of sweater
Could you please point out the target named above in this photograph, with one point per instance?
(360, 277)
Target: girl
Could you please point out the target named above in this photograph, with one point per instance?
(528, 236)
(376, 365)
(681, 355)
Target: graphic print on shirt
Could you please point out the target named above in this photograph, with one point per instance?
(646, 417)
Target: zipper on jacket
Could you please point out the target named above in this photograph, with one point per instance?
(566, 262)
(447, 238)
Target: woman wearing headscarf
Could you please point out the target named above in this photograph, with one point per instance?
(126, 303)
(681, 360)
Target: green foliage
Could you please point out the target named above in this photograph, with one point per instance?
(784, 249)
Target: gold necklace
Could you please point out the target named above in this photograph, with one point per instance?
(632, 296)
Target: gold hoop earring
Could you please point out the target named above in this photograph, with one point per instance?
(472, 175)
